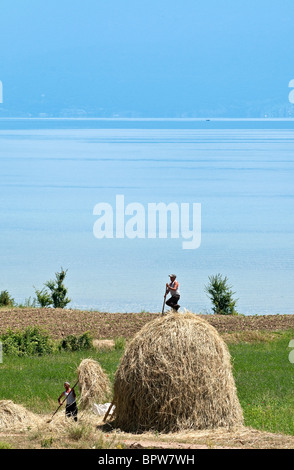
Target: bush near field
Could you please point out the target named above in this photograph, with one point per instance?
(33, 341)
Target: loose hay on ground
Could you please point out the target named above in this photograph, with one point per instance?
(94, 384)
(60, 423)
(15, 417)
(176, 374)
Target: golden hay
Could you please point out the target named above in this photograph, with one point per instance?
(16, 418)
(60, 423)
(176, 374)
(94, 384)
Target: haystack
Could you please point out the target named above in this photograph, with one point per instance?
(94, 384)
(176, 374)
(15, 417)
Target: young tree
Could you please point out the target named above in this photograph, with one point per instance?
(5, 299)
(221, 295)
(57, 295)
(43, 297)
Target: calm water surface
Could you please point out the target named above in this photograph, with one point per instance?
(54, 172)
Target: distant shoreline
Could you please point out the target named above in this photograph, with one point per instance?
(215, 119)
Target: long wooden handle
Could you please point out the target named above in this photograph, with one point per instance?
(163, 306)
(108, 411)
(164, 301)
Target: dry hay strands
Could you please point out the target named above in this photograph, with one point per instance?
(15, 417)
(94, 384)
(61, 424)
(176, 374)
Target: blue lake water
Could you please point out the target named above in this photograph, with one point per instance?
(53, 173)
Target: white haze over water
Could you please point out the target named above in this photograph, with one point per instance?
(53, 172)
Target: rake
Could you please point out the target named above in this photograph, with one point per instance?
(164, 299)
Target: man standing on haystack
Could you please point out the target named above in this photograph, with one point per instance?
(173, 289)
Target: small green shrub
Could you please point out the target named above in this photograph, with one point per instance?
(77, 343)
(5, 299)
(43, 298)
(221, 296)
(29, 342)
(58, 290)
(57, 294)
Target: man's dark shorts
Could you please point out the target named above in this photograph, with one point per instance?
(71, 410)
(173, 302)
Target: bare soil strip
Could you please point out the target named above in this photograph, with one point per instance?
(61, 323)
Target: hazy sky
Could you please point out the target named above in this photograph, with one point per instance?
(155, 57)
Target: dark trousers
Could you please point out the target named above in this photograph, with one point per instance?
(173, 302)
(71, 410)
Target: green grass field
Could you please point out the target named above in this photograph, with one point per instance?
(264, 378)
(263, 374)
(37, 382)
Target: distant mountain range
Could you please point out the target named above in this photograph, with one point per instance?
(43, 108)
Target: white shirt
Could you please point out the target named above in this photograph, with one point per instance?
(70, 399)
(174, 292)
